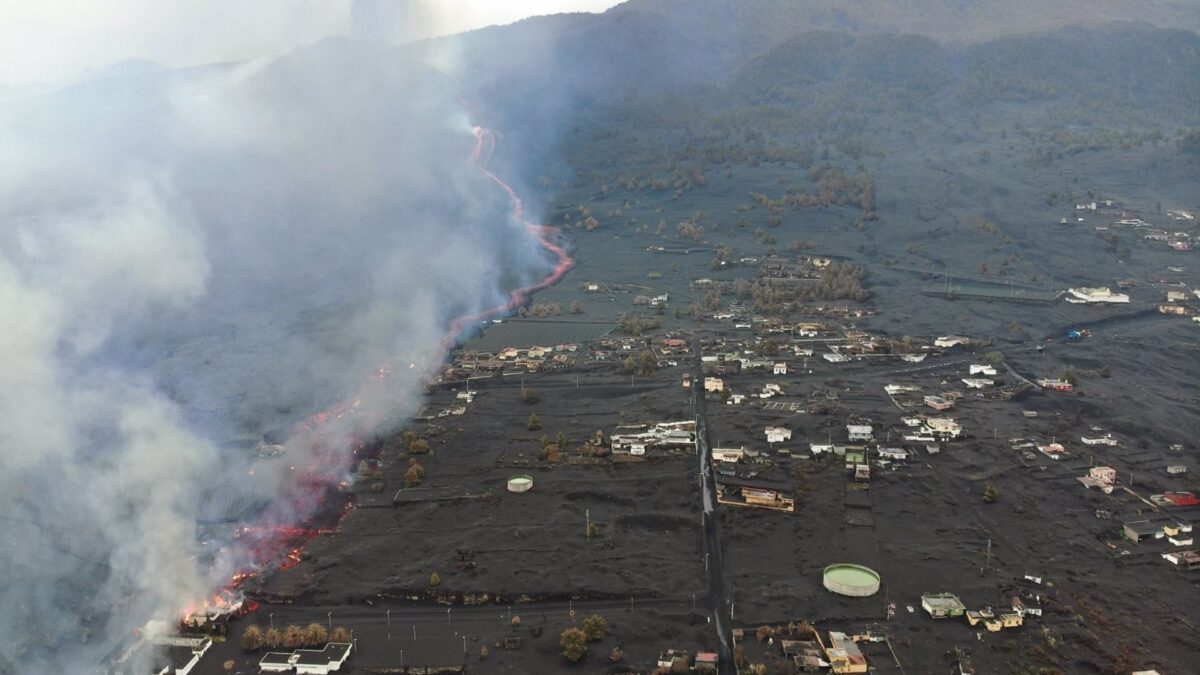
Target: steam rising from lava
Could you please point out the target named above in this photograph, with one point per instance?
(187, 261)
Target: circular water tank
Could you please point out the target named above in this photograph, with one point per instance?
(849, 579)
(521, 483)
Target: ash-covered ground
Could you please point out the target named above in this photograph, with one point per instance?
(1110, 605)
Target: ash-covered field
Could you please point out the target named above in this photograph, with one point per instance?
(1109, 605)
(481, 539)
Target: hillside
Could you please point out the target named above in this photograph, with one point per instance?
(948, 20)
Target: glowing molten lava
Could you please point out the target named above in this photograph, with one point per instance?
(278, 535)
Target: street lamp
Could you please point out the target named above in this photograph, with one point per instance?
(272, 617)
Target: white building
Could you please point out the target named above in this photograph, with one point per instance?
(977, 382)
(1096, 295)
(771, 389)
(820, 448)
(778, 434)
(942, 427)
(859, 432)
(779, 369)
(714, 384)
(948, 341)
(982, 370)
(307, 661)
(730, 455)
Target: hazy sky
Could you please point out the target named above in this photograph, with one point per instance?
(55, 39)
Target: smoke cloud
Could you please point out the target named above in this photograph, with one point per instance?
(192, 261)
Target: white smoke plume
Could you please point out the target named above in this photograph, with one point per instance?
(192, 259)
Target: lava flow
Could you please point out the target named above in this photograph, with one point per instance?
(281, 531)
(547, 236)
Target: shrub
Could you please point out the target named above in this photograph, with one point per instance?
(990, 495)
(252, 638)
(435, 579)
(574, 644)
(293, 637)
(414, 475)
(272, 638)
(595, 627)
(316, 634)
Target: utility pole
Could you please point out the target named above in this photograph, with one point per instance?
(987, 564)
(587, 514)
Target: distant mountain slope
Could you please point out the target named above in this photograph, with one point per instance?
(1124, 67)
(949, 20)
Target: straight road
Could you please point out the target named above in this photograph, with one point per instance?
(712, 536)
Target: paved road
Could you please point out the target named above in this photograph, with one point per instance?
(712, 536)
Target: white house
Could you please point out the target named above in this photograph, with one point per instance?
(859, 432)
(977, 369)
(834, 357)
(307, 661)
(779, 369)
(778, 434)
(735, 399)
(895, 454)
(771, 389)
(728, 454)
(948, 341)
(820, 448)
(942, 427)
(1096, 295)
(714, 384)
(977, 382)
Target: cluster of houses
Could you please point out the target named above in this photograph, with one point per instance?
(1181, 303)
(948, 606)
(665, 437)
(1114, 215)
(679, 661)
(1174, 533)
(838, 653)
(469, 365)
